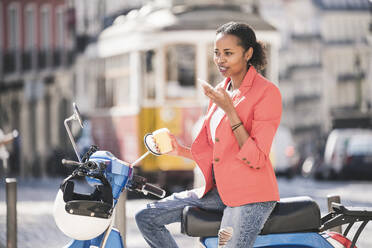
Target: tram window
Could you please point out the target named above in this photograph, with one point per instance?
(110, 89)
(148, 74)
(214, 76)
(149, 60)
(123, 91)
(180, 65)
(116, 90)
(101, 87)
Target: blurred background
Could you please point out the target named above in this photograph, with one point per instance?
(132, 67)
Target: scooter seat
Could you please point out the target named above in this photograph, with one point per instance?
(294, 214)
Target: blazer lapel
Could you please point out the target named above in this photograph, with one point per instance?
(247, 81)
(237, 99)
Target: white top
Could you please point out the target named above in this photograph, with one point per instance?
(219, 113)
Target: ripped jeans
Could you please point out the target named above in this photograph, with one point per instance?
(246, 221)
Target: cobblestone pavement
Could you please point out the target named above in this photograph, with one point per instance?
(36, 227)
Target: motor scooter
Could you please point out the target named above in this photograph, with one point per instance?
(110, 176)
(294, 222)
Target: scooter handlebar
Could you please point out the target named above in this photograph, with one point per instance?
(87, 165)
(154, 190)
(70, 162)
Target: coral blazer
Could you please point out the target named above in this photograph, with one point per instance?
(243, 174)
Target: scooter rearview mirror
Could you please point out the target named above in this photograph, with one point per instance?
(150, 144)
(77, 115)
(157, 143)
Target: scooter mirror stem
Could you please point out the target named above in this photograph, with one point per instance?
(71, 137)
(74, 117)
(139, 159)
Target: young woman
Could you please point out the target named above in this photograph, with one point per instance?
(232, 148)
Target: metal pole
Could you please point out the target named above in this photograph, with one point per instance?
(11, 212)
(336, 199)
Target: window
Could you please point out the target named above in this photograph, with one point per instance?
(45, 19)
(12, 57)
(13, 27)
(331, 28)
(1, 30)
(348, 26)
(1, 40)
(100, 88)
(148, 74)
(29, 37)
(60, 27)
(116, 89)
(32, 123)
(180, 74)
(63, 112)
(30, 30)
(47, 119)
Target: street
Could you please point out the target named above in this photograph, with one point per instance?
(36, 227)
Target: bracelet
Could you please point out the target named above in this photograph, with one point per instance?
(234, 127)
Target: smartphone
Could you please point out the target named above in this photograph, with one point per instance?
(205, 84)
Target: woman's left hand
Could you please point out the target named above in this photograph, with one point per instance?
(219, 96)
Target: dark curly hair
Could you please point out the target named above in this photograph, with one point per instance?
(247, 39)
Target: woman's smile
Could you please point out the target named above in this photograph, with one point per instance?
(222, 69)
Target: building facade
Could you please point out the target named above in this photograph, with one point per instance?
(324, 60)
(41, 46)
(36, 54)
(323, 66)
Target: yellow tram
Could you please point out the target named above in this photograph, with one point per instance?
(151, 60)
